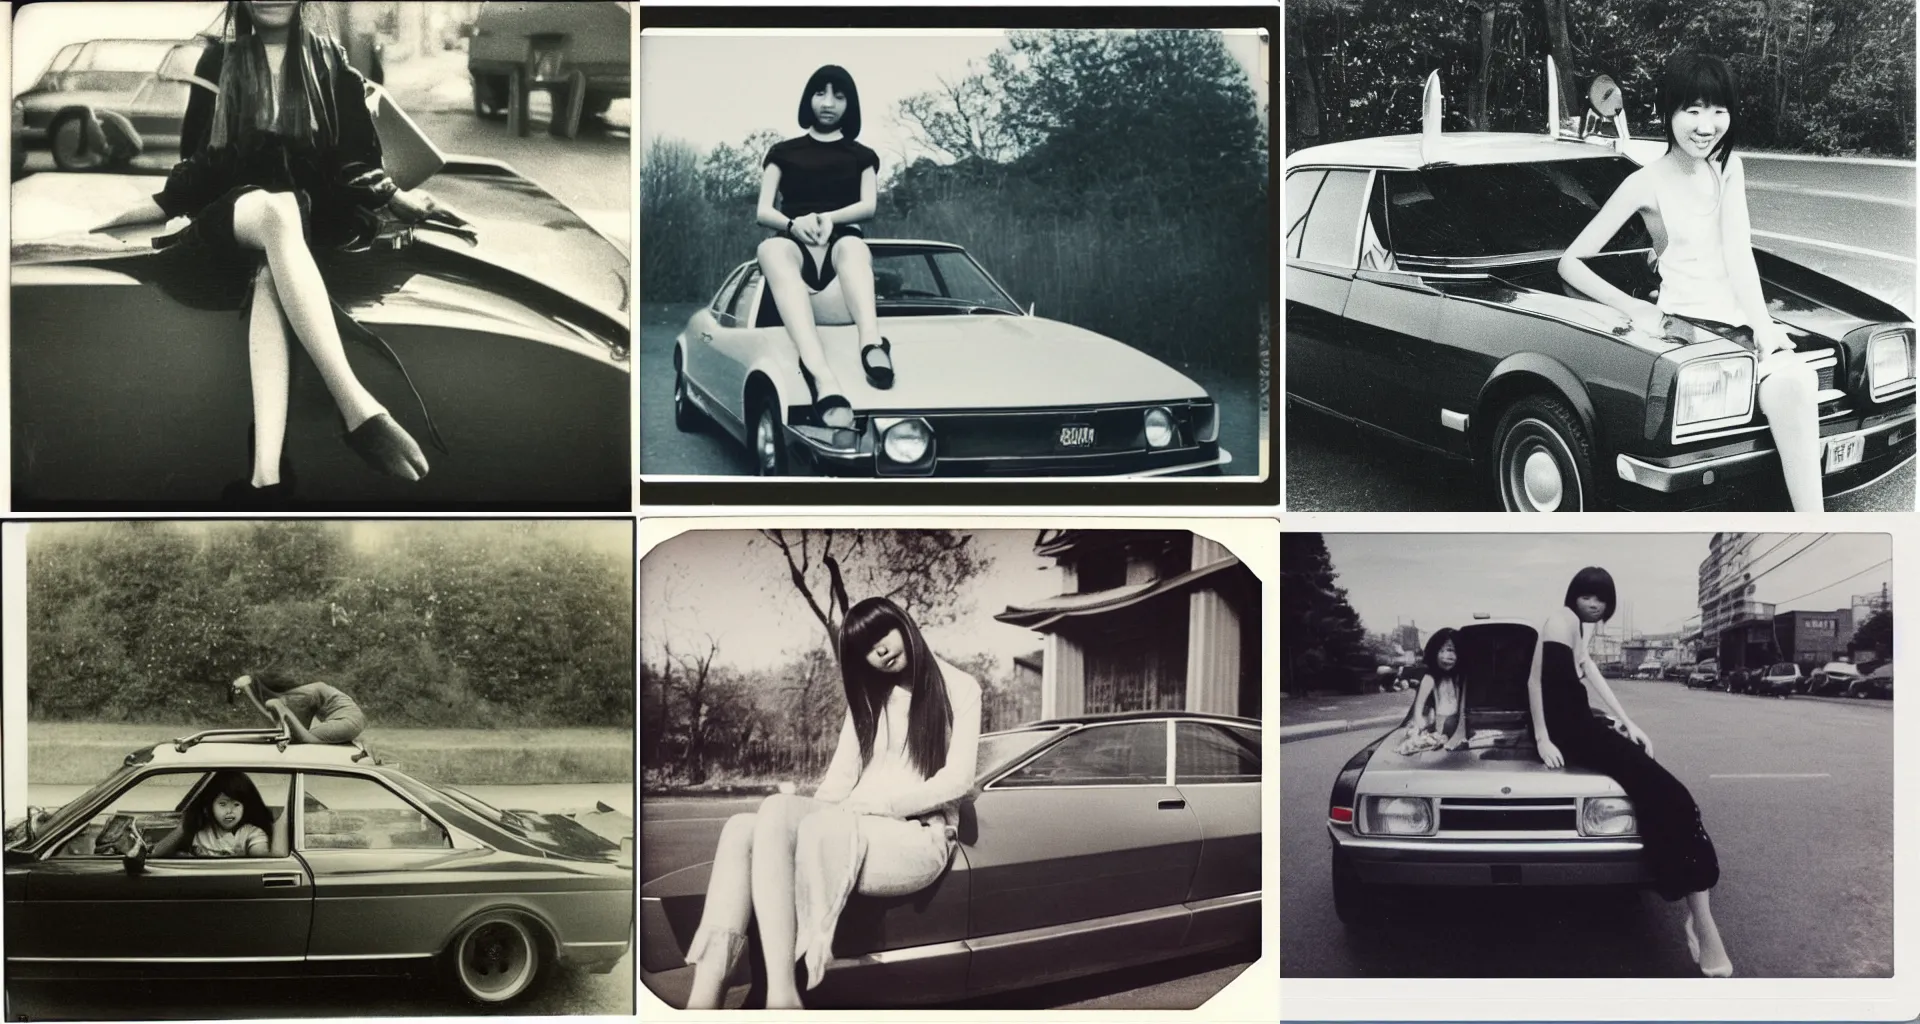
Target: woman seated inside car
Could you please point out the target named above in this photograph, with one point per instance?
(227, 819)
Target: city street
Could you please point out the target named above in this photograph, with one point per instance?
(1797, 794)
(676, 832)
(1851, 220)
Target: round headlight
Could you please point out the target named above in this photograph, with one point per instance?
(1399, 815)
(1159, 428)
(1607, 816)
(907, 441)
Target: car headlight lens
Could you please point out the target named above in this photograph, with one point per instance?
(907, 441)
(1607, 816)
(1399, 815)
(1713, 390)
(1159, 428)
(1889, 360)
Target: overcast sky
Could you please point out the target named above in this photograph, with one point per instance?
(710, 86)
(732, 584)
(1441, 579)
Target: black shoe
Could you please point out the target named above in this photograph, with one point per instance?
(241, 494)
(877, 360)
(387, 447)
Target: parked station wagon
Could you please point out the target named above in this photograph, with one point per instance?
(1424, 301)
(1490, 814)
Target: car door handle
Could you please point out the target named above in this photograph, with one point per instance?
(1172, 805)
(281, 879)
(704, 336)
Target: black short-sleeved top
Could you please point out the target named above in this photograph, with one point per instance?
(817, 177)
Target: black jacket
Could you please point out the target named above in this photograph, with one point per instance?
(340, 173)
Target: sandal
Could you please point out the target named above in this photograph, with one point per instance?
(824, 406)
(387, 447)
(880, 374)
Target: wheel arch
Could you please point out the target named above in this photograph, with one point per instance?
(1527, 373)
(545, 932)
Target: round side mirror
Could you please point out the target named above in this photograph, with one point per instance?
(1604, 97)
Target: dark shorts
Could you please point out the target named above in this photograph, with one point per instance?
(818, 277)
(1742, 336)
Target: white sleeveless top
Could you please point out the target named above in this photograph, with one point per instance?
(1693, 266)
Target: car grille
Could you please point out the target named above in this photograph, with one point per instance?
(1509, 814)
(1826, 364)
(1018, 435)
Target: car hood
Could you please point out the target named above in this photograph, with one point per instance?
(995, 361)
(1514, 771)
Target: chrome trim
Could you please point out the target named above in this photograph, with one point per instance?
(1467, 846)
(1230, 900)
(620, 942)
(1454, 420)
(1892, 389)
(370, 956)
(1825, 395)
(1510, 259)
(953, 947)
(1897, 467)
(157, 959)
(1660, 478)
(1060, 931)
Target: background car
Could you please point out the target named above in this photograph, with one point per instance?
(371, 872)
(1704, 676)
(579, 52)
(1649, 670)
(1833, 679)
(1142, 830)
(1877, 683)
(138, 78)
(1488, 815)
(1737, 680)
(980, 388)
(1783, 679)
(1676, 673)
(1424, 302)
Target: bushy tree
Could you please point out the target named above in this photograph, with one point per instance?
(1322, 642)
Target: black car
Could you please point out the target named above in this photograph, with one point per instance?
(1877, 683)
(1424, 301)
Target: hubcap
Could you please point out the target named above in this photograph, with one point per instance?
(1540, 480)
(497, 960)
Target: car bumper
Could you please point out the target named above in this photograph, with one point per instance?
(1711, 476)
(815, 448)
(1379, 860)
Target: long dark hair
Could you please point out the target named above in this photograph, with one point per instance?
(929, 716)
(1439, 639)
(238, 786)
(836, 76)
(1702, 78)
(1592, 581)
(246, 86)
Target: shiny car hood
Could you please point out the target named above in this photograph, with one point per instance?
(995, 361)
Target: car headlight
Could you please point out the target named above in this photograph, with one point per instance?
(1206, 423)
(1159, 428)
(1713, 392)
(906, 441)
(1889, 361)
(1398, 816)
(1607, 816)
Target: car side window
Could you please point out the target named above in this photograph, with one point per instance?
(346, 812)
(1301, 187)
(1207, 753)
(1376, 249)
(1128, 754)
(739, 314)
(154, 806)
(1332, 232)
(722, 297)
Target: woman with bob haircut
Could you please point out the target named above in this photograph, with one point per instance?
(882, 822)
(817, 263)
(1439, 711)
(284, 158)
(1565, 731)
(1694, 203)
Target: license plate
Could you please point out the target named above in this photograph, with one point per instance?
(1076, 435)
(1843, 452)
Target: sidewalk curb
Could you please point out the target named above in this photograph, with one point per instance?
(1308, 730)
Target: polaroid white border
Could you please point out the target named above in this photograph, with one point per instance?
(1730, 999)
(1255, 994)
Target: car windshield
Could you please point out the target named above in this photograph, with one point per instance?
(56, 817)
(1001, 748)
(142, 55)
(909, 280)
(1504, 209)
(1783, 670)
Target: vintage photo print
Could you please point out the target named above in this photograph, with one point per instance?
(1660, 757)
(1630, 255)
(955, 254)
(321, 255)
(319, 768)
(993, 767)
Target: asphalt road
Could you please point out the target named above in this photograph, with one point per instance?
(665, 450)
(1854, 221)
(1797, 794)
(676, 832)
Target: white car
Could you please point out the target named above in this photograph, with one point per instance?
(981, 388)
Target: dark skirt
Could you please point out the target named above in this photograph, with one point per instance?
(818, 277)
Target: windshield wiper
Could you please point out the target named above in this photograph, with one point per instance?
(990, 309)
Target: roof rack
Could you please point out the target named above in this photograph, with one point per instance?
(279, 737)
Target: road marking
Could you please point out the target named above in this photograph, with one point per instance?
(1833, 245)
(1827, 193)
(1776, 775)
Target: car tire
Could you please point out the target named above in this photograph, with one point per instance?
(686, 415)
(65, 138)
(1541, 458)
(1354, 902)
(767, 439)
(495, 959)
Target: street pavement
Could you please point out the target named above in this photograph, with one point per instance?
(1853, 221)
(678, 831)
(1797, 794)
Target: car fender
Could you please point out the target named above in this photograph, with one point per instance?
(549, 930)
(1524, 372)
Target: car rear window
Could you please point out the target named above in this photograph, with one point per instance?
(1504, 209)
(1332, 232)
(1782, 670)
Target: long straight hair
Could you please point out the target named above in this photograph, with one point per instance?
(929, 716)
(246, 104)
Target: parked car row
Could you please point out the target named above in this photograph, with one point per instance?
(1786, 679)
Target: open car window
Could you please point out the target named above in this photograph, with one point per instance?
(1123, 754)
(155, 806)
(1481, 212)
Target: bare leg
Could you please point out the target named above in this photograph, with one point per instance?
(1713, 955)
(780, 262)
(270, 222)
(853, 268)
(773, 878)
(267, 364)
(1787, 397)
(727, 912)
